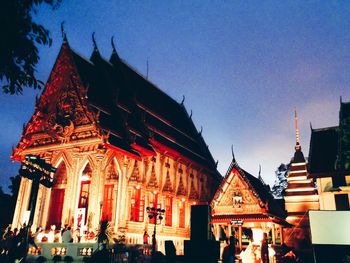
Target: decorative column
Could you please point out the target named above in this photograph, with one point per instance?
(123, 200)
(19, 203)
(281, 234)
(240, 237)
(119, 199)
(273, 234)
(96, 190)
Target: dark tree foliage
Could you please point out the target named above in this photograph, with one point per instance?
(18, 50)
(8, 202)
(7, 206)
(14, 186)
(281, 181)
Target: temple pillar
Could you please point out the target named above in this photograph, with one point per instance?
(123, 200)
(118, 200)
(240, 237)
(75, 180)
(67, 211)
(39, 208)
(25, 203)
(95, 198)
(273, 234)
(281, 234)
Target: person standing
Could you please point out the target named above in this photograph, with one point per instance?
(265, 249)
(228, 255)
(67, 235)
(145, 238)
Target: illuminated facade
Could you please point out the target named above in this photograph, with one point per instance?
(300, 197)
(329, 162)
(243, 204)
(119, 144)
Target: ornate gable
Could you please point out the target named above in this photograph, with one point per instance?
(112, 172)
(60, 110)
(237, 197)
(193, 192)
(135, 175)
(153, 182)
(167, 185)
(181, 190)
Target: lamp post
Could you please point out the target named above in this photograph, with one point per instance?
(154, 213)
(36, 169)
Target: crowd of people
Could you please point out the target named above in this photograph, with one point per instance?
(13, 241)
(255, 253)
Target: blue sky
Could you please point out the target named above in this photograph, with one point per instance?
(243, 66)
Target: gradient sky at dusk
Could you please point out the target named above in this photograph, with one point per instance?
(243, 66)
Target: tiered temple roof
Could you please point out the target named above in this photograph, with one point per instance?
(330, 147)
(135, 116)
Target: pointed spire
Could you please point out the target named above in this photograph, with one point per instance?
(233, 154)
(64, 36)
(259, 176)
(310, 126)
(114, 50)
(183, 100)
(191, 115)
(94, 42)
(297, 136)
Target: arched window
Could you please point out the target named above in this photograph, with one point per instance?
(57, 196)
(83, 203)
(137, 205)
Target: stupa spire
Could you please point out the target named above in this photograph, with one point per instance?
(297, 135)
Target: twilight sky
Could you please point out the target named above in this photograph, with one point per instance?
(243, 66)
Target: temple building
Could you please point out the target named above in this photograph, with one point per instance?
(119, 144)
(244, 206)
(329, 162)
(300, 197)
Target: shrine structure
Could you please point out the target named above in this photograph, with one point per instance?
(119, 144)
(300, 197)
(244, 207)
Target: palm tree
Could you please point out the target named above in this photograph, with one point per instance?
(104, 233)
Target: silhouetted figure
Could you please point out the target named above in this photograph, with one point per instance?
(228, 255)
(145, 237)
(264, 249)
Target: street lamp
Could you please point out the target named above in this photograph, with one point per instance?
(154, 213)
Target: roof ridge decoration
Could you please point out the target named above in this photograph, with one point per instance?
(259, 176)
(114, 50)
(63, 32)
(94, 42)
(233, 154)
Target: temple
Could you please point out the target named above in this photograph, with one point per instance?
(119, 144)
(244, 207)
